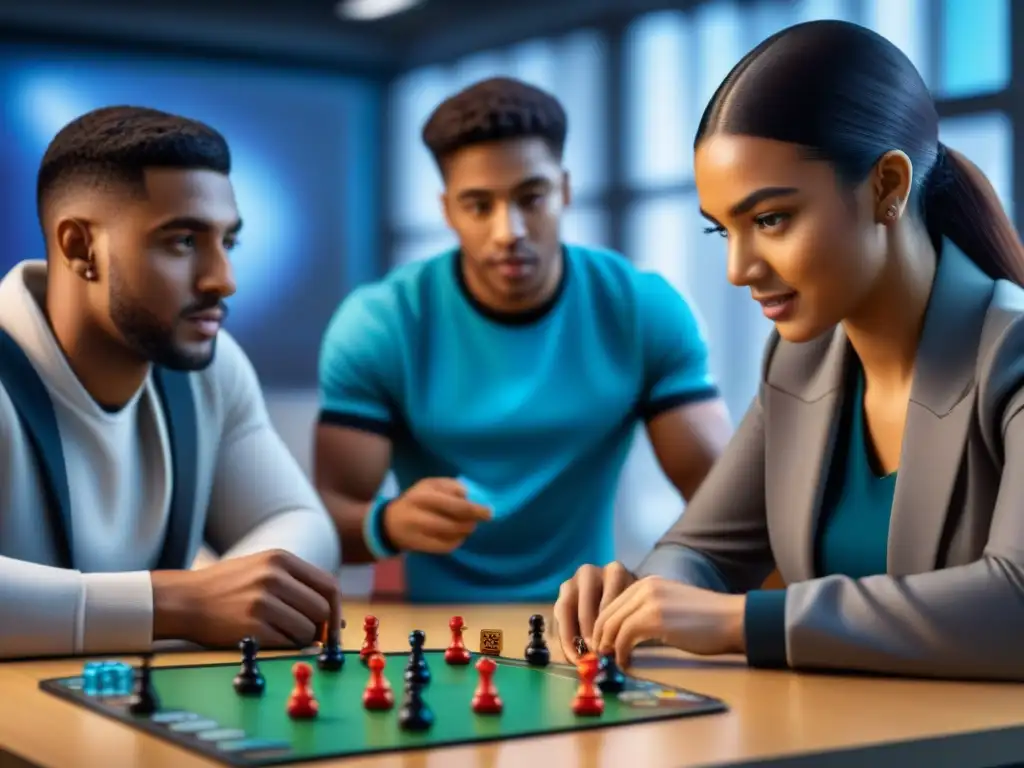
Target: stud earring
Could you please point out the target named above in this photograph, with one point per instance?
(891, 211)
(90, 273)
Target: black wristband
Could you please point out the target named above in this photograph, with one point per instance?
(382, 533)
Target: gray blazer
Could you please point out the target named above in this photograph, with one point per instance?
(952, 601)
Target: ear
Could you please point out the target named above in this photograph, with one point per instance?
(566, 189)
(892, 181)
(446, 207)
(74, 242)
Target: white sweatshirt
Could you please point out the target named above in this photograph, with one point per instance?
(251, 494)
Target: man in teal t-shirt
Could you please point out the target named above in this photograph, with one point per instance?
(502, 381)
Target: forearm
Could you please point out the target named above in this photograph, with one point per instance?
(682, 564)
(306, 533)
(47, 611)
(689, 565)
(350, 516)
(962, 622)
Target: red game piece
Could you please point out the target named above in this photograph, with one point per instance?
(588, 700)
(371, 645)
(457, 652)
(486, 700)
(302, 704)
(378, 694)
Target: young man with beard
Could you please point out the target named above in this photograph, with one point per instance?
(133, 429)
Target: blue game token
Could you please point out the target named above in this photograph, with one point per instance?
(90, 686)
(102, 678)
(127, 681)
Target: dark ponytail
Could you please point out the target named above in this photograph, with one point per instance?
(848, 96)
(961, 204)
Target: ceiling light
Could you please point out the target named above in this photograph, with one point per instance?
(368, 10)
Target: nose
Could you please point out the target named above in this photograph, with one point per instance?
(509, 225)
(216, 275)
(744, 266)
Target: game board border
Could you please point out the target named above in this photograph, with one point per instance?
(709, 705)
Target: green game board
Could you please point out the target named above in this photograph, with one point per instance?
(200, 711)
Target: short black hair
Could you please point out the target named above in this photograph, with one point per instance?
(495, 109)
(116, 145)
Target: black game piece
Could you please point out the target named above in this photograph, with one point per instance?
(332, 657)
(249, 681)
(581, 646)
(537, 652)
(144, 700)
(415, 714)
(609, 677)
(416, 670)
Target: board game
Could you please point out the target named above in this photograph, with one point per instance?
(199, 709)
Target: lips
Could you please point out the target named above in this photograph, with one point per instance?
(207, 323)
(777, 301)
(514, 267)
(777, 306)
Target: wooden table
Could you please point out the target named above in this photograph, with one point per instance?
(775, 718)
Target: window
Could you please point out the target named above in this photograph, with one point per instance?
(479, 66)
(975, 47)
(660, 108)
(986, 139)
(658, 237)
(415, 182)
(586, 226)
(905, 25)
(422, 247)
(581, 88)
(812, 10)
(720, 45)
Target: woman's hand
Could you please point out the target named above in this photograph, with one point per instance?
(691, 619)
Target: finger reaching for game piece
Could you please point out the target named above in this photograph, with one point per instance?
(273, 595)
(485, 699)
(581, 600)
(378, 694)
(679, 615)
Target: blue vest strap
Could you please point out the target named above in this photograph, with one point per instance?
(35, 411)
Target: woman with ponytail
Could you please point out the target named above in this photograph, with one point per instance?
(880, 468)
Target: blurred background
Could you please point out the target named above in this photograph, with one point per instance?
(323, 103)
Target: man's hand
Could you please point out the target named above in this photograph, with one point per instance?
(582, 598)
(682, 616)
(433, 516)
(274, 596)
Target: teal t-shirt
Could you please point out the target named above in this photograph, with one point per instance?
(535, 412)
